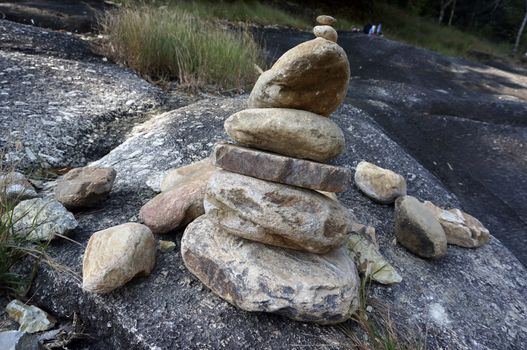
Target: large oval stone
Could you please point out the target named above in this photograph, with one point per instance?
(312, 76)
(116, 255)
(257, 277)
(276, 214)
(290, 132)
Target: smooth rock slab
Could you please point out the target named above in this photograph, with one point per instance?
(199, 171)
(116, 255)
(42, 219)
(84, 187)
(326, 32)
(276, 214)
(312, 76)
(174, 208)
(257, 277)
(284, 170)
(417, 228)
(460, 228)
(30, 318)
(290, 132)
(381, 185)
(14, 187)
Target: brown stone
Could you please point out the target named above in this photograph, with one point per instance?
(461, 228)
(258, 277)
(276, 214)
(84, 187)
(326, 20)
(196, 172)
(116, 255)
(312, 76)
(381, 185)
(174, 208)
(417, 228)
(286, 131)
(277, 168)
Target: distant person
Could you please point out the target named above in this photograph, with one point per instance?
(372, 30)
(379, 30)
(366, 29)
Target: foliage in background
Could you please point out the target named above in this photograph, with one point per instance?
(168, 42)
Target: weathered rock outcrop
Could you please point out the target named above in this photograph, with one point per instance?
(64, 112)
(488, 293)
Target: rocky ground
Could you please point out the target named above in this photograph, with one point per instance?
(471, 299)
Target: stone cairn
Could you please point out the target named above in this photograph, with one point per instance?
(273, 237)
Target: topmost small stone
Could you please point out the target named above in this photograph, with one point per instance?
(326, 20)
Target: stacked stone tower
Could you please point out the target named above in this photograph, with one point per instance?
(273, 235)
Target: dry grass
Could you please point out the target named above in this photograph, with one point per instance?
(170, 43)
(20, 256)
(378, 328)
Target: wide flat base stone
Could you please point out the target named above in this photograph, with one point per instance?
(257, 277)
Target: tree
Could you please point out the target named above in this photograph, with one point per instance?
(442, 9)
(520, 31)
(452, 13)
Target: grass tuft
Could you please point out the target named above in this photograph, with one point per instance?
(378, 326)
(167, 43)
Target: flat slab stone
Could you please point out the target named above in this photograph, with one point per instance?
(257, 277)
(281, 169)
(276, 214)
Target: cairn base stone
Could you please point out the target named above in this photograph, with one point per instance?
(257, 277)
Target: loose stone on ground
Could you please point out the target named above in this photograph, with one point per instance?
(417, 228)
(364, 250)
(258, 277)
(280, 169)
(116, 255)
(30, 318)
(382, 185)
(175, 207)
(84, 187)
(14, 187)
(42, 219)
(460, 228)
